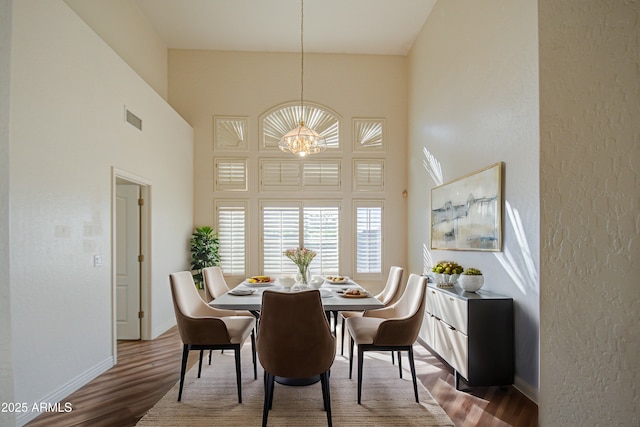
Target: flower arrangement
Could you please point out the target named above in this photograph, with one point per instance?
(472, 272)
(301, 257)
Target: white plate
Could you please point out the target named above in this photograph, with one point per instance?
(241, 292)
(344, 280)
(258, 284)
(325, 293)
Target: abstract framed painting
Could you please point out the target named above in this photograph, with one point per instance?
(466, 214)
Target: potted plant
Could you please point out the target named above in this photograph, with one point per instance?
(471, 279)
(204, 252)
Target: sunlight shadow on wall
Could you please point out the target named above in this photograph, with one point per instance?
(519, 266)
(432, 165)
(427, 261)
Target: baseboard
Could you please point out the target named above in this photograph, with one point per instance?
(164, 327)
(524, 388)
(68, 388)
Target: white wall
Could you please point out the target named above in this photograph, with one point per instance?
(69, 90)
(590, 213)
(130, 34)
(473, 101)
(208, 83)
(6, 359)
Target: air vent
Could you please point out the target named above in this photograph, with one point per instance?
(133, 120)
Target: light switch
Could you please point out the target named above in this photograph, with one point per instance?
(97, 260)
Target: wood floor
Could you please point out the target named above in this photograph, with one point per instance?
(146, 370)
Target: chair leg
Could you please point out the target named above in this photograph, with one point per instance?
(360, 360)
(183, 368)
(200, 363)
(210, 352)
(268, 396)
(341, 338)
(238, 378)
(350, 356)
(413, 373)
(253, 354)
(326, 395)
(399, 363)
(393, 358)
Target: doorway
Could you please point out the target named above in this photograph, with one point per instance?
(131, 260)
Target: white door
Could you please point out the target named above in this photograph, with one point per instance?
(127, 262)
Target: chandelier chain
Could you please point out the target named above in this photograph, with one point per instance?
(301, 60)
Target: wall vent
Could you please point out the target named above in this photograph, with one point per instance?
(133, 120)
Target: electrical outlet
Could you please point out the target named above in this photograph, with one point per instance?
(97, 260)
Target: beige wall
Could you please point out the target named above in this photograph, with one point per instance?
(204, 84)
(590, 221)
(473, 101)
(69, 90)
(123, 27)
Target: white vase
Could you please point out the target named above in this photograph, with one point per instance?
(471, 283)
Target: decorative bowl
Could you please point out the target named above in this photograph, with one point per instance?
(316, 282)
(471, 283)
(446, 280)
(286, 281)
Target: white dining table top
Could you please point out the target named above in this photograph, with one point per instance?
(332, 299)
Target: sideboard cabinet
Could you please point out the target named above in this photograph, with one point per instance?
(472, 332)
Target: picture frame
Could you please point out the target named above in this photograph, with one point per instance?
(467, 213)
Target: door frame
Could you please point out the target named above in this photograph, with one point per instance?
(117, 177)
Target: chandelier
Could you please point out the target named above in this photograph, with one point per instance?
(302, 141)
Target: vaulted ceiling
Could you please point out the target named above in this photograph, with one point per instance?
(382, 27)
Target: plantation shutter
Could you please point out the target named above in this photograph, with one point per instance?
(321, 234)
(369, 175)
(369, 239)
(231, 233)
(279, 175)
(281, 231)
(231, 174)
(321, 175)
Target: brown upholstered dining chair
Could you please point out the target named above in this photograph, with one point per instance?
(393, 328)
(387, 296)
(294, 341)
(202, 327)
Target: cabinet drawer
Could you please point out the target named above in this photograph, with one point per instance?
(453, 346)
(428, 330)
(449, 309)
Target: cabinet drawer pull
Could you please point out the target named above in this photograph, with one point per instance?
(451, 299)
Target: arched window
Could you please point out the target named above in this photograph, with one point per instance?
(282, 118)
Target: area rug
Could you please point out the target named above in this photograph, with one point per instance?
(212, 399)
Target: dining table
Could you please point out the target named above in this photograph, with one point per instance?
(248, 296)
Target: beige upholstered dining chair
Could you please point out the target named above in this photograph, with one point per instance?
(388, 295)
(393, 328)
(202, 327)
(214, 284)
(295, 341)
(214, 287)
